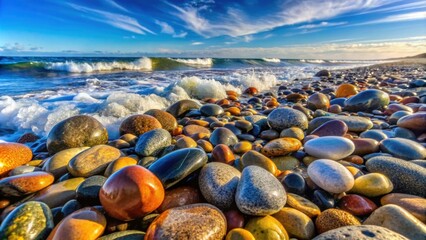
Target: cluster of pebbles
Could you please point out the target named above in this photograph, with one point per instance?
(339, 156)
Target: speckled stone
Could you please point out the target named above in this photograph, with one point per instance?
(413, 204)
(367, 100)
(31, 220)
(177, 165)
(372, 185)
(266, 228)
(211, 109)
(93, 161)
(282, 118)
(153, 142)
(223, 135)
(77, 131)
(180, 108)
(399, 220)
(219, 183)
(24, 184)
(334, 218)
(330, 176)
(296, 223)
(57, 164)
(88, 191)
(281, 146)
(354, 123)
(195, 222)
(302, 204)
(166, 120)
(13, 155)
(259, 192)
(364, 232)
(406, 177)
(330, 147)
(139, 124)
(403, 148)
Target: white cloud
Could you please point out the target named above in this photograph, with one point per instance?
(116, 20)
(321, 24)
(180, 35)
(234, 22)
(248, 38)
(397, 8)
(116, 5)
(197, 43)
(165, 27)
(396, 18)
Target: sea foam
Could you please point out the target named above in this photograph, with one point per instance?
(87, 67)
(273, 60)
(205, 62)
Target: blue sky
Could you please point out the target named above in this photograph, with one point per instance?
(333, 29)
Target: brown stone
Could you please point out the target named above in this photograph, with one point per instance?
(281, 146)
(365, 146)
(139, 124)
(357, 205)
(166, 120)
(413, 204)
(192, 129)
(24, 184)
(179, 197)
(334, 218)
(222, 153)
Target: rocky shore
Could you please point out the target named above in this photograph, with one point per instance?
(337, 156)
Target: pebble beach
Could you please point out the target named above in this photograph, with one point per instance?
(337, 155)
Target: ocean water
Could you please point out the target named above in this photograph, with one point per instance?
(38, 92)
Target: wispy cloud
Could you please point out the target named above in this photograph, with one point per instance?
(116, 5)
(165, 27)
(18, 47)
(397, 8)
(197, 43)
(113, 19)
(235, 22)
(395, 18)
(180, 35)
(321, 25)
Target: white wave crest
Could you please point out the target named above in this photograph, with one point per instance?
(87, 67)
(273, 60)
(195, 61)
(204, 88)
(313, 61)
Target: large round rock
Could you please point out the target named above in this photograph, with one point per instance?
(330, 176)
(13, 155)
(131, 192)
(77, 131)
(282, 118)
(406, 177)
(331, 147)
(139, 124)
(367, 100)
(259, 193)
(195, 221)
(219, 183)
(167, 120)
(180, 108)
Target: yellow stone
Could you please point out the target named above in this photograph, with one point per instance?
(242, 147)
(57, 164)
(296, 223)
(372, 185)
(239, 234)
(266, 228)
(185, 142)
(118, 164)
(302, 204)
(257, 159)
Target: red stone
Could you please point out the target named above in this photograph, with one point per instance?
(131, 192)
(222, 153)
(251, 91)
(234, 219)
(357, 205)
